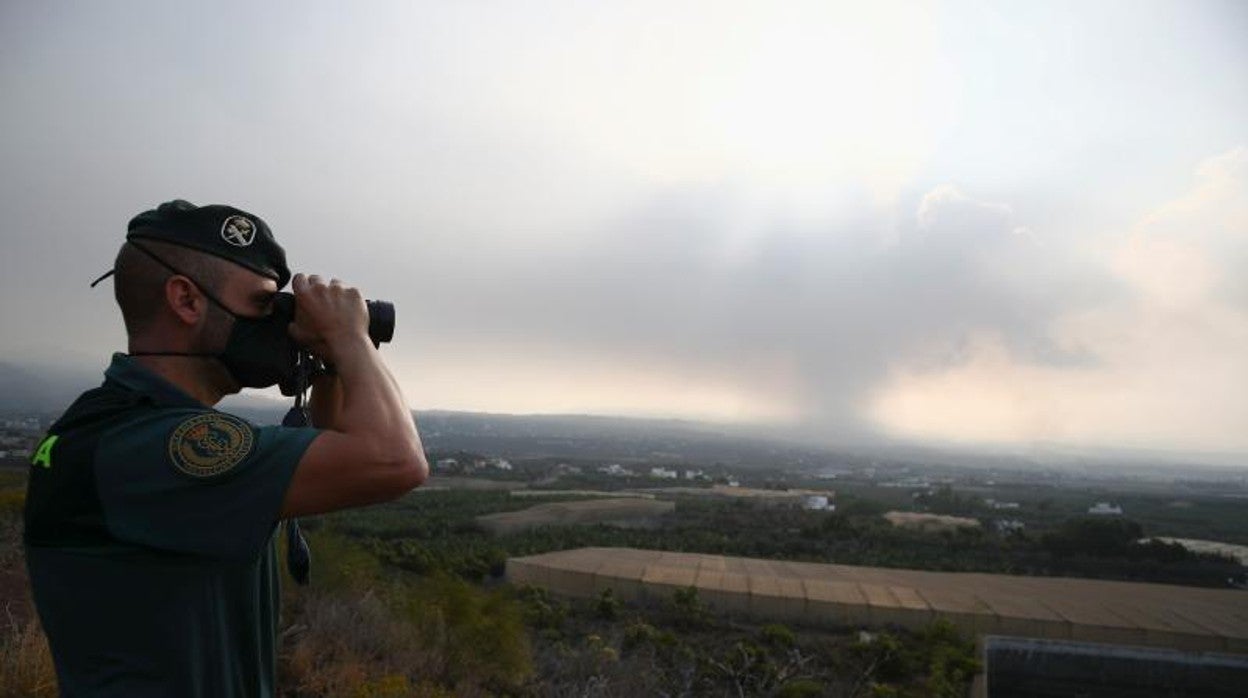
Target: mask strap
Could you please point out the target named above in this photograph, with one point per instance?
(202, 289)
(179, 272)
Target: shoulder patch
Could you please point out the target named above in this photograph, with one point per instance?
(209, 444)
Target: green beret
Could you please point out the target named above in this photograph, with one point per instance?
(223, 231)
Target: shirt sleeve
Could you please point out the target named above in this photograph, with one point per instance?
(198, 482)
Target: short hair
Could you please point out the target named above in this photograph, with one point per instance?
(139, 280)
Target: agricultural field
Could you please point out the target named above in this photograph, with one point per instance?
(625, 512)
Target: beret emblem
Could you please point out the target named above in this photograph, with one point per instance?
(209, 444)
(238, 231)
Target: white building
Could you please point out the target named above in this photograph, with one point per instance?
(664, 473)
(817, 502)
(615, 470)
(1009, 525)
(1105, 509)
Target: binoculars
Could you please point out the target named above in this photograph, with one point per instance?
(303, 365)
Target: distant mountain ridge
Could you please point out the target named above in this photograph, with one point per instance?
(49, 390)
(43, 389)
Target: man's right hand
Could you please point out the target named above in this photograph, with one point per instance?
(329, 317)
(371, 451)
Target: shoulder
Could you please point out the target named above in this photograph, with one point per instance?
(197, 443)
(196, 480)
(200, 444)
(95, 407)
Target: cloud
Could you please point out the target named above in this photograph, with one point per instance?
(701, 290)
(1167, 367)
(946, 210)
(724, 210)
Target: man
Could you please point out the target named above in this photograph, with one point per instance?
(150, 516)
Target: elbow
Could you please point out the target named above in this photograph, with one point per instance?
(411, 471)
(417, 470)
(396, 469)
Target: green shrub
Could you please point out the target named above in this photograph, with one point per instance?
(778, 636)
(688, 610)
(480, 635)
(608, 605)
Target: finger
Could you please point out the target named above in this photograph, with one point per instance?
(335, 282)
(314, 280)
(299, 283)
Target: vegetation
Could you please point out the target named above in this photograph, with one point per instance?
(25, 661)
(367, 629)
(681, 649)
(406, 601)
(436, 531)
(362, 629)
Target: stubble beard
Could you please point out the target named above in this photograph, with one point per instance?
(213, 340)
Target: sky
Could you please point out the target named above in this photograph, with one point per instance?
(994, 224)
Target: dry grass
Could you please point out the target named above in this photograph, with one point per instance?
(26, 667)
(354, 647)
(25, 662)
(359, 633)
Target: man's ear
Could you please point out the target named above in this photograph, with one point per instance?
(185, 300)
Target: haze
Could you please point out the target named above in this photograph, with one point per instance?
(977, 223)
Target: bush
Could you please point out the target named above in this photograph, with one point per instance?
(937, 662)
(478, 636)
(542, 611)
(608, 605)
(26, 667)
(778, 636)
(689, 612)
(360, 629)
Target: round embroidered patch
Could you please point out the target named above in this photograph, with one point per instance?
(209, 444)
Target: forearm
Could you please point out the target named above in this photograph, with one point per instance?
(325, 404)
(371, 404)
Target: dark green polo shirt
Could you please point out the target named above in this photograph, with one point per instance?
(149, 540)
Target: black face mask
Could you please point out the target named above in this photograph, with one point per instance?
(259, 351)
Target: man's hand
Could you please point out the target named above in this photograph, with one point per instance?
(368, 450)
(329, 317)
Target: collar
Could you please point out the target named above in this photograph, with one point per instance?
(129, 373)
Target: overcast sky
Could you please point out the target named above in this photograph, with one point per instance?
(987, 223)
